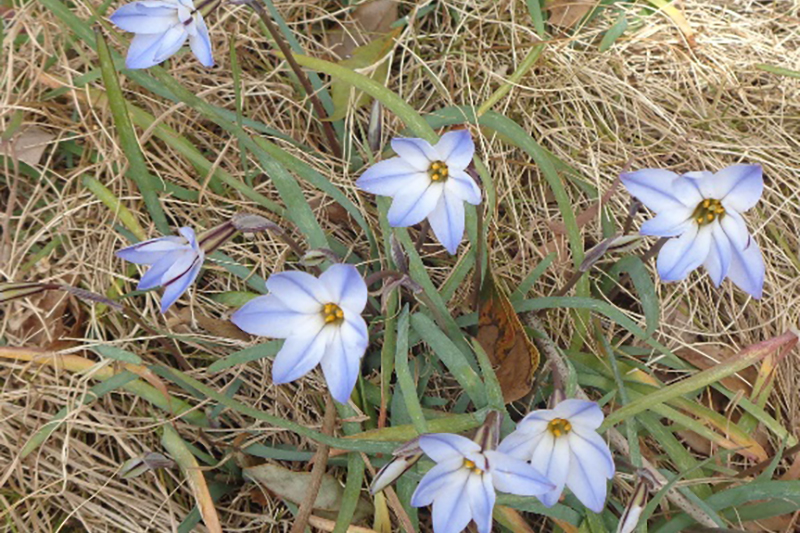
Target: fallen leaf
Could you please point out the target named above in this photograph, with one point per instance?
(27, 146)
(290, 485)
(566, 13)
(370, 20)
(219, 328)
(503, 338)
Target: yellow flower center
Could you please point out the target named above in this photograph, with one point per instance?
(332, 314)
(438, 171)
(470, 465)
(708, 210)
(559, 427)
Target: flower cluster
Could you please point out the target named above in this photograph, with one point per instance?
(550, 449)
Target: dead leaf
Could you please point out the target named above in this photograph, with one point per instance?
(290, 485)
(503, 338)
(566, 13)
(370, 20)
(27, 146)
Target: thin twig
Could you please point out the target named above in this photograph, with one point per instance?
(327, 128)
(320, 463)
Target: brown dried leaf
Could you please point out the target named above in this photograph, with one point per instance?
(28, 146)
(503, 338)
(566, 13)
(370, 21)
(215, 326)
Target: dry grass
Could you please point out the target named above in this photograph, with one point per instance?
(651, 100)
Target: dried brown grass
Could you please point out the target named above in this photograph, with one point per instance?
(652, 101)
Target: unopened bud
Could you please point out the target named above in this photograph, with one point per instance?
(139, 465)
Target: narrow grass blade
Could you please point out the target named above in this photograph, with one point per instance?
(148, 185)
(404, 378)
(112, 202)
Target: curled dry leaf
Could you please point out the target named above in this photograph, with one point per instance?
(503, 338)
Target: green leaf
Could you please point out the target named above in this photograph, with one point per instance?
(253, 353)
(644, 285)
(453, 358)
(614, 32)
(118, 354)
(148, 185)
(404, 378)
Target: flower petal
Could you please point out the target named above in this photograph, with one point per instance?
(346, 287)
(456, 149)
(139, 17)
(590, 467)
(178, 285)
(464, 187)
(668, 223)
(582, 412)
(480, 492)
(652, 187)
(341, 365)
(521, 442)
(200, 42)
(300, 291)
(515, 476)
(739, 186)
(443, 446)
(389, 177)
(747, 269)
(719, 255)
(414, 203)
(736, 229)
(451, 509)
(447, 221)
(592, 449)
(154, 276)
(269, 316)
(681, 255)
(445, 474)
(552, 458)
(171, 42)
(416, 152)
(148, 252)
(143, 50)
(300, 354)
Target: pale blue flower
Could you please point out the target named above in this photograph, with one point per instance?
(563, 444)
(704, 211)
(462, 485)
(427, 181)
(175, 263)
(320, 318)
(161, 28)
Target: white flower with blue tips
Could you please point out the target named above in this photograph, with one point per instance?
(563, 444)
(162, 27)
(175, 263)
(462, 485)
(703, 211)
(320, 318)
(427, 182)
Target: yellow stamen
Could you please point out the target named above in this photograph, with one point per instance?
(438, 171)
(708, 210)
(470, 465)
(332, 313)
(559, 427)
